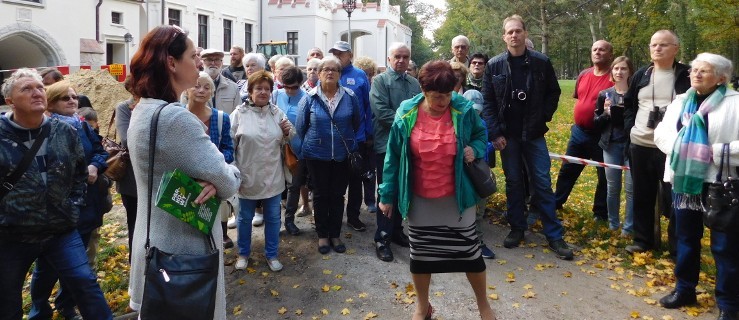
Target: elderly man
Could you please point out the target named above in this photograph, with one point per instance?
(311, 74)
(477, 70)
(314, 53)
(39, 210)
(460, 49)
(389, 89)
(356, 80)
(584, 136)
(226, 97)
(412, 69)
(235, 71)
(516, 110)
(652, 89)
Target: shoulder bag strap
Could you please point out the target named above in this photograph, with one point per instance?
(8, 182)
(111, 123)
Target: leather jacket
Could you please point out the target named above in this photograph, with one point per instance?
(542, 96)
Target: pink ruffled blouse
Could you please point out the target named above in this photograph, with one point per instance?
(433, 148)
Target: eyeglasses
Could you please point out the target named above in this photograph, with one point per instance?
(209, 60)
(294, 87)
(328, 70)
(477, 63)
(661, 45)
(460, 47)
(701, 72)
(67, 98)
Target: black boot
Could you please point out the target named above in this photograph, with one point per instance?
(227, 242)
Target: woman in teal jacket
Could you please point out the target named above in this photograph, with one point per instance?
(433, 135)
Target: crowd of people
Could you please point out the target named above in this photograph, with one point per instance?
(396, 140)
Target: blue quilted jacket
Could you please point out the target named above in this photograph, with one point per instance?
(321, 140)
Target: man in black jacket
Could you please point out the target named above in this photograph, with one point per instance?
(652, 88)
(521, 95)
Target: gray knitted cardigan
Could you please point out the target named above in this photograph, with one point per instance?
(181, 144)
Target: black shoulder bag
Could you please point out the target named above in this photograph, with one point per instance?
(177, 286)
(7, 182)
(356, 162)
(721, 212)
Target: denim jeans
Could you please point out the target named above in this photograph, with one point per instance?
(42, 283)
(271, 210)
(725, 249)
(536, 156)
(582, 144)
(386, 228)
(66, 254)
(614, 154)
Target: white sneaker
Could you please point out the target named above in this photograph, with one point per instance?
(258, 219)
(242, 263)
(274, 265)
(232, 222)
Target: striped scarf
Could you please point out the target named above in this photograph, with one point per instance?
(692, 153)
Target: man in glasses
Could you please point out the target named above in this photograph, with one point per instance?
(226, 96)
(477, 70)
(389, 89)
(356, 80)
(460, 49)
(651, 90)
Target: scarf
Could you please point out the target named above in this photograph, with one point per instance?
(73, 120)
(691, 155)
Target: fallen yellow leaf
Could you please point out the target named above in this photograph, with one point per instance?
(326, 257)
(325, 288)
(393, 285)
(529, 294)
(345, 311)
(336, 288)
(324, 312)
(350, 300)
(567, 274)
(251, 270)
(510, 277)
(502, 262)
(650, 301)
(370, 315)
(667, 317)
(438, 293)
(274, 292)
(237, 310)
(493, 296)
(409, 288)
(339, 276)
(408, 301)
(634, 315)
(528, 286)
(530, 256)
(282, 310)
(363, 295)
(296, 286)
(516, 305)
(326, 271)
(491, 287)
(242, 281)
(265, 274)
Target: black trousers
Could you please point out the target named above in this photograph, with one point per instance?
(647, 171)
(386, 228)
(328, 180)
(293, 191)
(582, 144)
(130, 203)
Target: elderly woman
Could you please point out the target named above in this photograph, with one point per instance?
(253, 62)
(62, 106)
(311, 70)
(218, 128)
(692, 134)
(609, 119)
(259, 129)
(164, 66)
(460, 71)
(433, 135)
(328, 118)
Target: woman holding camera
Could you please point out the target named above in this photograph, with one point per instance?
(609, 119)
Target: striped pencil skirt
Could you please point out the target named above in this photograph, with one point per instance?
(441, 239)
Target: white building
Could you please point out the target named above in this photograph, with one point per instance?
(40, 33)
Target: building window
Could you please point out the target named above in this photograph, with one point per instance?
(292, 43)
(116, 17)
(247, 37)
(174, 17)
(227, 34)
(202, 31)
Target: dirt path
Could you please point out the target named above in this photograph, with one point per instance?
(364, 285)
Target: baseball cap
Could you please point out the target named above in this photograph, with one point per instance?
(211, 51)
(476, 98)
(342, 46)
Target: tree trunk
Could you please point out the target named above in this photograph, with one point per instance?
(544, 27)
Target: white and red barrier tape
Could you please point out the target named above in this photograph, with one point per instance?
(586, 162)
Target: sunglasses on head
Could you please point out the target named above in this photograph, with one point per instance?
(67, 98)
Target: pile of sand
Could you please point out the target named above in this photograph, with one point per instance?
(104, 91)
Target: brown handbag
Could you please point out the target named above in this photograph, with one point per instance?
(291, 160)
(118, 158)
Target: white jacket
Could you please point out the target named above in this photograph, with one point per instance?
(723, 127)
(258, 142)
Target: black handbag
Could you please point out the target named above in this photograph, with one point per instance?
(483, 180)
(721, 212)
(177, 286)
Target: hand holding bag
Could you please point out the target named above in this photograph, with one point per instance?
(177, 286)
(721, 212)
(481, 177)
(118, 158)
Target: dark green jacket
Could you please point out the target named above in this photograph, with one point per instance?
(397, 174)
(388, 90)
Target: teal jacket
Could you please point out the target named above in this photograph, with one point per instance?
(397, 174)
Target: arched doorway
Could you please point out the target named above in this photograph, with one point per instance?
(25, 45)
(355, 35)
